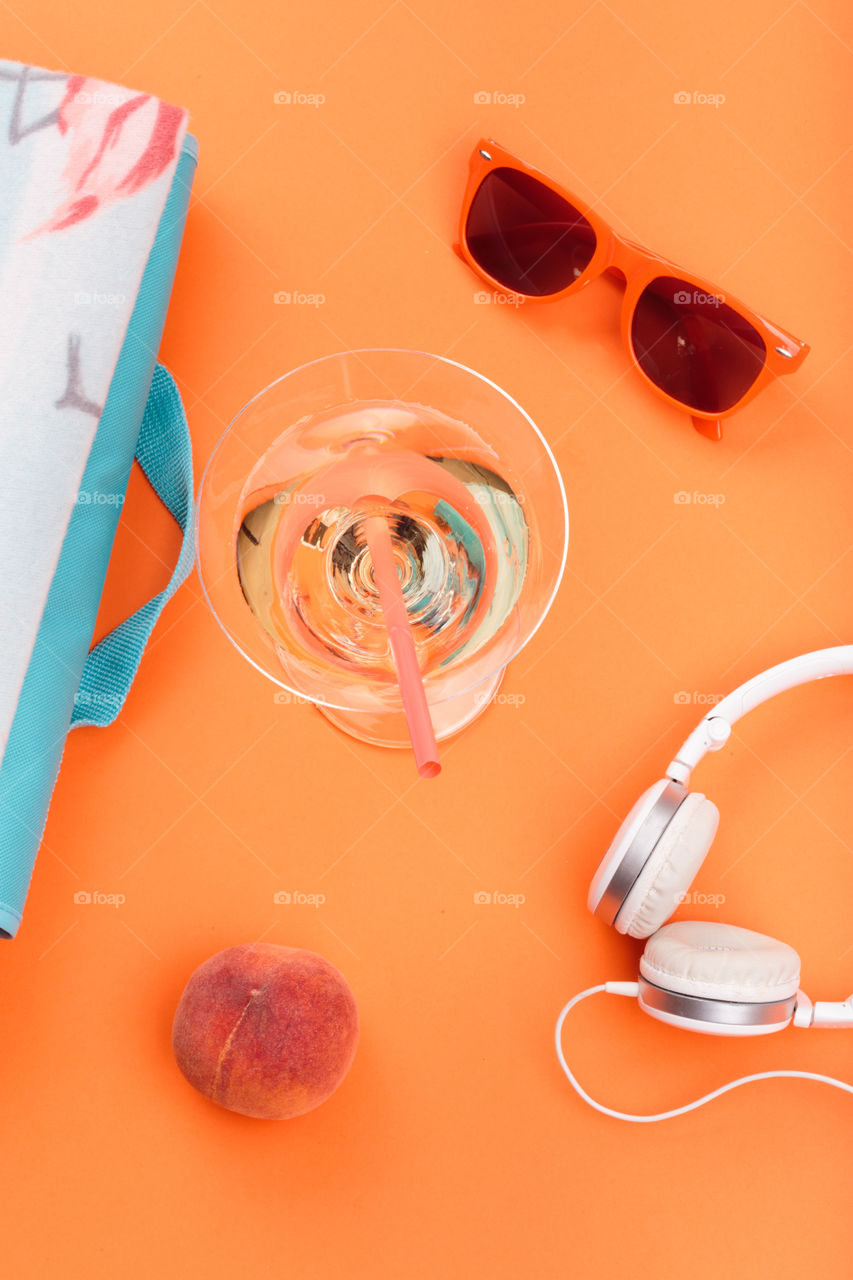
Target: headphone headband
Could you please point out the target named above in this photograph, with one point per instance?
(713, 730)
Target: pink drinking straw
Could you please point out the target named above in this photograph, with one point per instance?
(403, 649)
(363, 478)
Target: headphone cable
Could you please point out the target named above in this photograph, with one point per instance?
(621, 988)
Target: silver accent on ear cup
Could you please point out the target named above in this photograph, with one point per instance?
(728, 1012)
(639, 851)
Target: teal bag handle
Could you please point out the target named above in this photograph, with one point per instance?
(163, 451)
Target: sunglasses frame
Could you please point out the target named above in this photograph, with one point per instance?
(637, 267)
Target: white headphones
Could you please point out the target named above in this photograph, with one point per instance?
(704, 976)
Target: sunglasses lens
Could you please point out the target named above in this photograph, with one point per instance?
(693, 346)
(527, 236)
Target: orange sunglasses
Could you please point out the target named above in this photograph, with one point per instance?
(698, 348)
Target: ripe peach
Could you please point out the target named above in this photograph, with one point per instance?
(264, 1030)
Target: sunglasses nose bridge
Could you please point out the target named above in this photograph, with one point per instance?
(623, 257)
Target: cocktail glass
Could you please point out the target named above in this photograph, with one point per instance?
(472, 500)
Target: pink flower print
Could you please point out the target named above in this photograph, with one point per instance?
(119, 141)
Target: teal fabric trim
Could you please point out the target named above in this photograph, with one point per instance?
(164, 453)
(34, 750)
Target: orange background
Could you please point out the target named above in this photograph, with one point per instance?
(455, 1148)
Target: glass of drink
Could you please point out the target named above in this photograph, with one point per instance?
(472, 501)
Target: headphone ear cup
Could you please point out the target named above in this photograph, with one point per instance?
(713, 961)
(670, 868)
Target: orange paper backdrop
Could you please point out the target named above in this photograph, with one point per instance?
(455, 1147)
